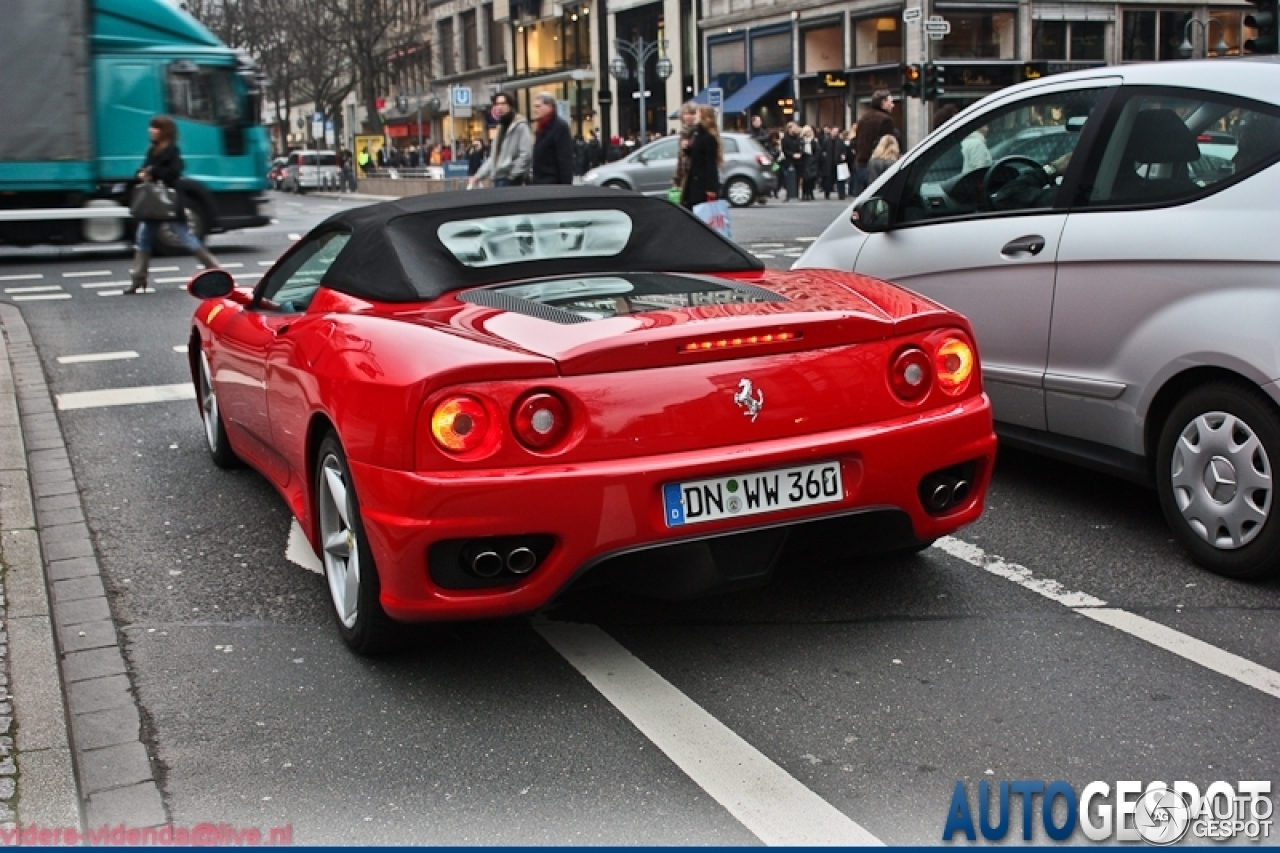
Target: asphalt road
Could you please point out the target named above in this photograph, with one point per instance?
(873, 687)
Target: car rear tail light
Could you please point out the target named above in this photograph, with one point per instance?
(764, 160)
(954, 363)
(739, 341)
(1204, 137)
(540, 420)
(911, 374)
(460, 424)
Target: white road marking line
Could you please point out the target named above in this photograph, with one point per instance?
(125, 396)
(764, 255)
(298, 550)
(97, 356)
(92, 285)
(174, 279)
(182, 348)
(165, 269)
(766, 799)
(86, 274)
(265, 263)
(232, 266)
(295, 236)
(41, 297)
(119, 292)
(39, 288)
(766, 245)
(805, 239)
(35, 276)
(1183, 645)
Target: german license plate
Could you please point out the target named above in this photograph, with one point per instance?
(699, 501)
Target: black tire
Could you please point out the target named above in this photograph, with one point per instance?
(739, 192)
(362, 623)
(616, 185)
(215, 430)
(1215, 478)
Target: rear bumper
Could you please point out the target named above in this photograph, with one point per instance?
(597, 511)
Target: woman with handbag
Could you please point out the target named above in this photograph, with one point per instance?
(702, 178)
(160, 174)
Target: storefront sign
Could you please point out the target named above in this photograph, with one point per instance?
(866, 82)
(834, 81)
(985, 77)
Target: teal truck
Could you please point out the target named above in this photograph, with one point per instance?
(82, 80)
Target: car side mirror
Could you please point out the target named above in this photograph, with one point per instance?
(871, 216)
(211, 284)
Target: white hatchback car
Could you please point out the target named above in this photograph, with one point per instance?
(1124, 281)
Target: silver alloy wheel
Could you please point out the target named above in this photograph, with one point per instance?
(740, 192)
(1221, 478)
(209, 404)
(339, 542)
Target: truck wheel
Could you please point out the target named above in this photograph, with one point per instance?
(1216, 479)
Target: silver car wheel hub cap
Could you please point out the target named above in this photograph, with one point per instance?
(1222, 481)
(208, 404)
(739, 193)
(339, 542)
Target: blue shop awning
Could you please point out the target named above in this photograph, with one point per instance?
(749, 95)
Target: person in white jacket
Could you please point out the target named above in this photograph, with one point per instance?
(508, 164)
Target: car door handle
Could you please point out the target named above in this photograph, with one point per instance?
(1032, 244)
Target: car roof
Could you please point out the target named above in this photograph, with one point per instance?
(395, 253)
(1255, 77)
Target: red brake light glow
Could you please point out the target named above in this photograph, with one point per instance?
(739, 341)
(460, 424)
(910, 375)
(540, 420)
(954, 363)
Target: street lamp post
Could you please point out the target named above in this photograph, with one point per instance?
(1187, 49)
(640, 52)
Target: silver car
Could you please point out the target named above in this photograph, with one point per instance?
(747, 173)
(311, 170)
(1124, 286)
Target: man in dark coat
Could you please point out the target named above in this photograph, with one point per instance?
(875, 123)
(553, 147)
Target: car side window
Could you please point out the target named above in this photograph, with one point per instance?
(1168, 146)
(290, 287)
(664, 150)
(1012, 159)
(730, 145)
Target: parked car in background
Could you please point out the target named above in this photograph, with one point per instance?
(275, 175)
(311, 170)
(747, 174)
(482, 397)
(1123, 278)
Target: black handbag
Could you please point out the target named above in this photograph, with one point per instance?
(153, 202)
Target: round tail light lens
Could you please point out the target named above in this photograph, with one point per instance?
(954, 361)
(541, 420)
(910, 374)
(460, 424)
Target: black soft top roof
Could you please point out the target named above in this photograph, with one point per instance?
(395, 253)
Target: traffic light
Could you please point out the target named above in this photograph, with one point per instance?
(911, 81)
(931, 81)
(1264, 21)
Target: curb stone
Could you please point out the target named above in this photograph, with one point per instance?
(75, 707)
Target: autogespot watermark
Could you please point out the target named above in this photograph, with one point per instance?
(1159, 814)
(120, 835)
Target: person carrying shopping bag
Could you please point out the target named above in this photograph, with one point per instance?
(702, 175)
(163, 165)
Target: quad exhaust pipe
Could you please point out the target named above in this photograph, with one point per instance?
(489, 559)
(946, 490)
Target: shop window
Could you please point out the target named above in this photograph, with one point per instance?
(877, 41)
(1139, 37)
(823, 49)
(980, 35)
(1049, 40)
(497, 37)
(771, 53)
(1088, 41)
(1173, 29)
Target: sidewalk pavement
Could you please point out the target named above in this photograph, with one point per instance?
(71, 754)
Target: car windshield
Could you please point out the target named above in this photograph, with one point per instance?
(518, 238)
(326, 158)
(599, 297)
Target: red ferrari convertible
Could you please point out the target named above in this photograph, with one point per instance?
(471, 400)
